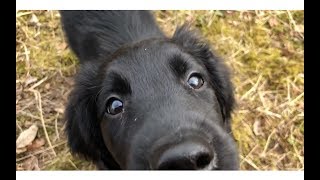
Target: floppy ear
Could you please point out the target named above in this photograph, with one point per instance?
(82, 126)
(191, 42)
(97, 34)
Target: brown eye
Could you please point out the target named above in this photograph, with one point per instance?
(195, 81)
(114, 106)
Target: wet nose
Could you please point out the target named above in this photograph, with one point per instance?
(185, 156)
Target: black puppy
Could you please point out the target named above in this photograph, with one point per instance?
(146, 101)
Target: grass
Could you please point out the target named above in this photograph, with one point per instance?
(264, 49)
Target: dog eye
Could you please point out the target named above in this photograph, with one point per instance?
(114, 106)
(195, 81)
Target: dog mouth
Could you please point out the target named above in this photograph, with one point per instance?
(183, 150)
(189, 154)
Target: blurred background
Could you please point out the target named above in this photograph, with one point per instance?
(264, 49)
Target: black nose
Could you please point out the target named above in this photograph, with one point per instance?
(185, 156)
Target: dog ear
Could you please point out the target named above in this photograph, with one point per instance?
(98, 34)
(82, 124)
(81, 37)
(194, 44)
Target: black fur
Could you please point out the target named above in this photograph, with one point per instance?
(124, 54)
(97, 34)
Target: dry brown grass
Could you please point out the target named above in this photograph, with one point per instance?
(265, 50)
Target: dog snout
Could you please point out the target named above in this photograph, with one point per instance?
(188, 155)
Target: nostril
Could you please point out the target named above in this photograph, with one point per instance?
(185, 156)
(203, 160)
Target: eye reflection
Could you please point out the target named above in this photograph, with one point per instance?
(195, 81)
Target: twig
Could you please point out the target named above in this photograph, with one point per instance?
(292, 102)
(38, 96)
(19, 127)
(288, 90)
(26, 53)
(56, 125)
(38, 83)
(251, 151)
(73, 164)
(268, 142)
(294, 24)
(41, 151)
(267, 112)
(294, 146)
(18, 14)
(25, 107)
(28, 114)
(250, 163)
(296, 99)
(255, 86)
(263, 101)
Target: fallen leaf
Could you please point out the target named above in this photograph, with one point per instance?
(273, 22)
(36, 168)
(30, 80)
(21, 150)
(300, 28)
(36, 144)
(19, 167)
(31, 164)
(57, 15)
(190, 18)
(257, 129)
(246, 16)
(27, 136)
(69, 81)
(34, 20)
(47, 86)
(235, 23)
(62, 46)
(277, 148)
(59, 110)
(276, 44)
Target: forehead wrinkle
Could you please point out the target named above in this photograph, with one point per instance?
(147, 70)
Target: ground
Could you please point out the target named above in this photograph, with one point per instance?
(264, 49)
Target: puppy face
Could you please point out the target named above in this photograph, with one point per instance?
(157, 104)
